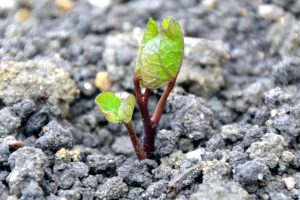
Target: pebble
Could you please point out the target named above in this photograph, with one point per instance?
(23, 14)
(270, 12)
(65, 5)
(102, 81)
(289, 182)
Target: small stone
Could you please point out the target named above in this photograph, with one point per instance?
(90, 181)
(270, 12)
(65, 174)
(287, 71)
(157, 189)
(135, 173)
(289, 182)
(232, 132)
(287, 156)
(101, 163)
(113, 188)
(123, 145)
(23, 14)
(215, 171)
(175, 159)
(36, 122)
(55, 136)
(103, 4)
(135, 193)
(64, 5)
(189, 116)
(269, 150)
(276, 97)
(102, 81)
(194, 155)
(273, 112)
(87, 86)
(27, 165)
(24, 108)
(251, 173)
(9, 122)
(166, 142)
(32, 191)
(211, 4)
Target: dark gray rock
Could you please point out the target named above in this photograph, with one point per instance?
(252, 135)
(277, 190)
(215, 142)
(32, 191)
(287, 71)
(189, 116)
(113, 188)
(90, 181)
(4, 153)
(66, 174)
(157, 190)
(286, 122)
(3, 175)
(9, 122)
(123, 145)
(236, 156)
(55, 136)
(276, 97)
(36, 121)
(166, 142)
(27, 165)
(24, 108)
(101, 163)
(135, 173)
(135, 194)
(251, 174)
(232, 132)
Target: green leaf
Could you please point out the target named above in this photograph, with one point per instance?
(114, 108)
(127, 107)
(160, 54)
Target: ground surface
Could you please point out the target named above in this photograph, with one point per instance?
(231, 128)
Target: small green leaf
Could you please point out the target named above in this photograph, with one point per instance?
(160, 53)
(114, 108)
(109, 104)
(127, 107)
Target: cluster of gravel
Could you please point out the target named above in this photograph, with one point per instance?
(230, 130)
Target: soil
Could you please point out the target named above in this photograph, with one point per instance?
(230, 130)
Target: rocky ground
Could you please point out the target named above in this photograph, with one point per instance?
(231, 129)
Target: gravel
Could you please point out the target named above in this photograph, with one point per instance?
(230, 129)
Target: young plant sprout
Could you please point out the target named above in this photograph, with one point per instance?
(159, 60)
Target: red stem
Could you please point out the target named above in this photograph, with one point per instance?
(161, 104)
(135, 141)
(149, 132)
